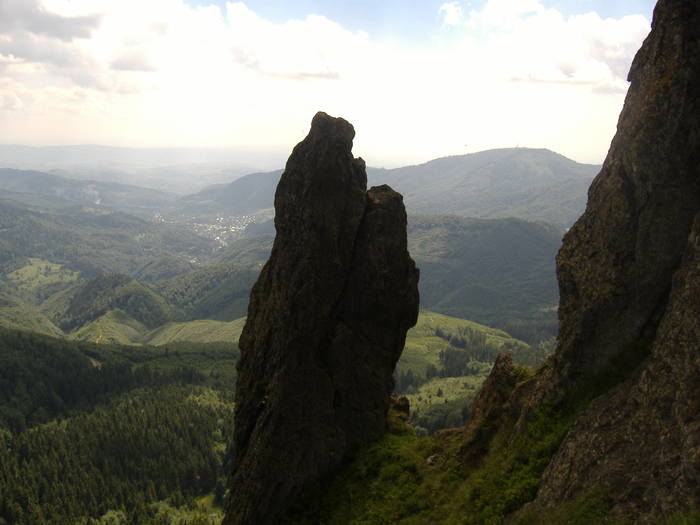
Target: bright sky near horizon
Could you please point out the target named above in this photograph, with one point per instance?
(418, 80)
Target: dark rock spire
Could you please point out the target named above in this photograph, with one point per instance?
(326, 325)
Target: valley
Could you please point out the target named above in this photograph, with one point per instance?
(146, 294)
(414, 308)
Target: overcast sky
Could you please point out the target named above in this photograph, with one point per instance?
(418, 79)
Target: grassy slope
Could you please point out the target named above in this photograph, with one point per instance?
(393, 481)
(115, 327)
(16, 314)
(405, 479)
(423, 346)
(39, 279)
(202, 331)
(445, 389)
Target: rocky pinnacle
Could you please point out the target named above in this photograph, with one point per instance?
(326, 325)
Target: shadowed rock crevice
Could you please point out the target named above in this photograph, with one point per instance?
(326, 324)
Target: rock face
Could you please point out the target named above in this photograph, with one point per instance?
(640, 442)
(629, 277)
(617, 262)
(488, 409)
(326, 324)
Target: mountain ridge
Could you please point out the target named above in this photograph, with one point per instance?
(532, 184)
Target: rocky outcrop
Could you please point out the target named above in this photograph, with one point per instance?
(640, 442)
(489, 409)
(326, 324)
(616, 264)
(629, 278)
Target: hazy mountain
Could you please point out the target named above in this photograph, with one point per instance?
(244, 196)
(532, 184)
(44, 189)
(91, 241)
(181, 170)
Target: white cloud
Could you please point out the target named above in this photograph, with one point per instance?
(529, 43)
(300, 49)
(163, 72)
(33, 17)
(451, 13)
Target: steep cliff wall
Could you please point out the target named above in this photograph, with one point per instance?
(629, 277)
(326, 324)
(617, 261)
(640, 442)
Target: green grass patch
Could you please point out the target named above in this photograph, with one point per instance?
(406, 479)
(432, 335)
(114, 327)
(385, 483)
(17, 315)
(40, 278)
(445, 389)
(202, 331)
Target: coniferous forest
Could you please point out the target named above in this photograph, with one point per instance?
(103, 434)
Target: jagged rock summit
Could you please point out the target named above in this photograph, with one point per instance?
(326, 325)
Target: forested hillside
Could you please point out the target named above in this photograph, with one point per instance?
(39, 188)
(89, 433)
(91, 240)
(497, 272)
(245, 196)
(167, 409)
(218, 292)
(532, 184)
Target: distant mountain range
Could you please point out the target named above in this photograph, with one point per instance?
(180, 170)
(56, 232)
(245, 196)
(532, 184)
(49, 190)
